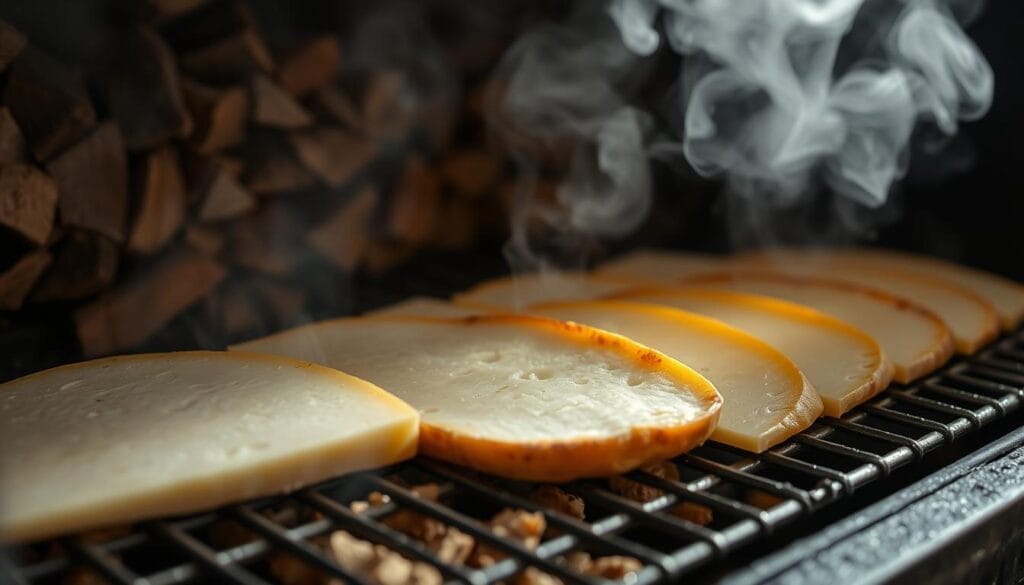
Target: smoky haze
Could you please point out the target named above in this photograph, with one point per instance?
(783, 99)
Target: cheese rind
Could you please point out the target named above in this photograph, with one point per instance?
(916, 340)
(845, 365)
(766, 397)
(128, 438)
(520, 396)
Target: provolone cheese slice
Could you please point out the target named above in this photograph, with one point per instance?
(915, 339)
(766, 397)
(520, 396)
(126, 438)
(515, 293)
(972, 319)
(845, 365)
(1005, 295)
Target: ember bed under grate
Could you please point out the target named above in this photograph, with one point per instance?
(793, 488)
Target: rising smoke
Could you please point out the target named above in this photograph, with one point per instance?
(784, 99)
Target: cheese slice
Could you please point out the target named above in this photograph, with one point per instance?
(916, 340)
(972, 319)
(423, 307)
(1005, 295)
(845, 365)
(514, 293)
(767, 398)
(656, 266)
(127, 438)
(520, 396)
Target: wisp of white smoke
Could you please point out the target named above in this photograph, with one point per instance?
(772, 110)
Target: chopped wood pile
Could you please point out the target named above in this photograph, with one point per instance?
(200, 170)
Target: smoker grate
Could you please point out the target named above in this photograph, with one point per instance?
(749, 497)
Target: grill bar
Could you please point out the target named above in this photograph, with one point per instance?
(748, 496)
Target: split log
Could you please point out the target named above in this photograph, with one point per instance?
(232, 59)
(383, 256)
(137, 309)
(311, 67)
(267, 241)
(18, 280)
(388, 114)
(92, 179)
(457, 225)
(471, 173)
(283, 302)
(333, 154)
(162, 201)
(28, 201)
(165, 10)
(219, 41)
(144, 93)
(274, 107)
(49, 102)
(415, 202)
(12, 142)
(223, 196)
(205, 239)
(272, 168)
(84, 264)
(220, 116)
(338, 105)
(12, 42)
(235, 310)
(345, 236)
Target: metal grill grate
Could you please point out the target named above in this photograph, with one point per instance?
(749, 496)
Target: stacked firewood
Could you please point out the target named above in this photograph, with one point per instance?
(196, 168)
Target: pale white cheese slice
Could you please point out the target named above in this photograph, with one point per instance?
(845, 365)
(766, 397)
(520, 396)
(128, 438)
(916, 340)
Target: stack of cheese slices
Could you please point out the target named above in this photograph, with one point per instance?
(539, 377)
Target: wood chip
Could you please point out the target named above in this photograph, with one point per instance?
(379, 564)
(49, 102)
(161, 202)
(333, 154)
(415, 203)
(220, 115)
(137, 309)
(205, 239)
(225, 198)
(12, 42)
(557, 499)
(12, 142)
(276, 108)
(143, 90)
(28, 200)
(17, 281)
(311, 67)
(92, 180)
(84, 264)
(471, 173)
(345, 236)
